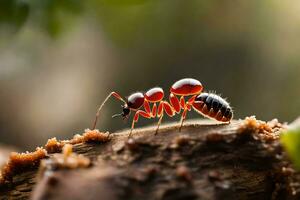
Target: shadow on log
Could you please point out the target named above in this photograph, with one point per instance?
(241, 160)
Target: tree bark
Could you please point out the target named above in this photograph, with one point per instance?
(240, 160)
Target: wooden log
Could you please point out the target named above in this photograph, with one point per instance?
(240, 160)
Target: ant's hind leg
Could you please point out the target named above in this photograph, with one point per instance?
(187, 108)
(183, 116)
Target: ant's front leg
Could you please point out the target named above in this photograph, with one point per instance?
(136, 118)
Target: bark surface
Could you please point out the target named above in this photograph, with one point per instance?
(241, 160)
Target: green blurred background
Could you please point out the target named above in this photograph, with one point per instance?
(60, 58)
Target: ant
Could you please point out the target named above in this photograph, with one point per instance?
(207, 104)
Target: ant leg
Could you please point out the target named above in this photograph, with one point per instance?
(147, 106)
(174, 102)
(154, 109)
(183, 116)
(191, 100)
(158, 124)
(188, 107)
(160, 109)
(168, 109)
(182, 102)
(164, 107)
(136, 118)
(114, 94)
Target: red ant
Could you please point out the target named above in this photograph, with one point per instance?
(207, 104)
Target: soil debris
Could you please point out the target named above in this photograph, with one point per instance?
(67, 159)
(268, 131)
(95, 136)
(55, 146)
(18, 162)
(184, 173)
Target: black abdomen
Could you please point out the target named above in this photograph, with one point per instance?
(213, 106)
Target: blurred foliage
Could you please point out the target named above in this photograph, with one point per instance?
(55, 16)
(13, 14)
(246, 50)
(291, 141)
(52, 16)
(119, 2)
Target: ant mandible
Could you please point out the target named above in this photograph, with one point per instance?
(207, 104)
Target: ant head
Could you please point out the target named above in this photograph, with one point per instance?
(126, 111)
(125, 114)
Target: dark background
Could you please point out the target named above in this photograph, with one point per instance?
(60, 58)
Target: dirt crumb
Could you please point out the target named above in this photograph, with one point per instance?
(18, 162)
(132, 145)
(180, 141)
(95, 136)
(54, 146)
(262, 130)
(76, 139)
(184, 173)
(71, 160)
(4, 154)
(67, 160)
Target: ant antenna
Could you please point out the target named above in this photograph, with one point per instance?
(116, 95)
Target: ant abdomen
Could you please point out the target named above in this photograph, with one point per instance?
(213, 106)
